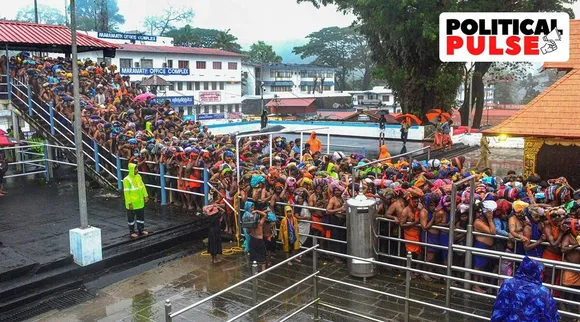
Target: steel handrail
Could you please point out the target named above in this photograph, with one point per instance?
(251, 278)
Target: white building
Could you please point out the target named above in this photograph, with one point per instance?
(293, 79)
(379, 96)
(205, 79)
(489, 95)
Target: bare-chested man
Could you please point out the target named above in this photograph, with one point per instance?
(427, 220)
(571, 251)
(257, 246)
(394, 212)
(553, 252)
(337, 216)
(318, 199)
(482, 224)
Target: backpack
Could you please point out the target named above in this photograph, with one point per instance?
(250, 220)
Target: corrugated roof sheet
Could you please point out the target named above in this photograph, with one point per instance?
(291, 102)
(553, 113)
(30, 34)
(574, 59)
(177, 50)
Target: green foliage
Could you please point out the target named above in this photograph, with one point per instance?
(262, 53)
(503, 92)
(46, 14)
(342, 48)
(403, 37)
(188, 36)
(88, 14)
(165, 22)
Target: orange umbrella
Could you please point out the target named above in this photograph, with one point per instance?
(437, 113)
(410, 118)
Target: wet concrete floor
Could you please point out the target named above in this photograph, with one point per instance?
(190, 279)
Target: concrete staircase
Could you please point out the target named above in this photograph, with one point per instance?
(62, 134)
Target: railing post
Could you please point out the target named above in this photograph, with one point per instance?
(119, 173)
(46, 163)
(8, 81)
(51, 114)
(364, 151)
(328, 141)
(254, 291)
(167, 310)
(428, 153)
(450, 253)
(162, 184)
(272, 150)
(408, 286)
(29, 94)
(315, 278)
(97, 161)
(469, 235)
(50, 156)
(206, 186)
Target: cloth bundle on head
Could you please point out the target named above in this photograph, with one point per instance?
(414, 192)
(519, 206)
(319, 182)
(534, 211)
(210, 210)
(336, 185)
(256, 180)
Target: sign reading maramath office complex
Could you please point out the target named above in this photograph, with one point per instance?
(504, 36)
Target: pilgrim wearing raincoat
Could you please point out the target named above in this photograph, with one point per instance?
(524, 298)
(289, 231)
(484, 153)
(315, 144)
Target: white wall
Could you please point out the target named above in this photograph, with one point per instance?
(494, 142)
(296, 78)
(231, 78)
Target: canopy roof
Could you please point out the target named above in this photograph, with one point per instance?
(46, 38)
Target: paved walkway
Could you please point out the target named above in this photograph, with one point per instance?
(189, 279)
(35, 219)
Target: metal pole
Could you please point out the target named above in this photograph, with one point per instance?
(47, 164)
(29, 95)
(262, 99)
(49, 156)
(271, 148)
(428, 153)
(36, 11)
(315, 278)
(408, 286)
(238, 174)
(77, 117)
(328, 142)
(167, 310)
(16, 133)
(450, 247)
(119, 173)
(470, 100)
(255, 291)
(469, 235)
(206, 186)
(51, 115)
(162, 184)
(96, 150)
(301, 144)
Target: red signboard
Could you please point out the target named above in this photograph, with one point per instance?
(210, 97)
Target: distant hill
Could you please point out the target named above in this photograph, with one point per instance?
(285, 48)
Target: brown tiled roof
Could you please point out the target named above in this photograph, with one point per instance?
(553, 113)
(574, 60)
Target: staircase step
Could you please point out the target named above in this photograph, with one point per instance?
(14, 265)
(24, 284)
(45, 290)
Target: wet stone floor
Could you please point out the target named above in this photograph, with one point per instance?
(189, 279)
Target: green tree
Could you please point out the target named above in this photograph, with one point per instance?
(403, 36)
(188, 36)
(503, 93)
(228, 42)
(530, 84)
(100, 15)
(165, 22)
(336, 47)
(46, 14)
(262, 53)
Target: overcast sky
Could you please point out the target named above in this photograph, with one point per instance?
(249, 20)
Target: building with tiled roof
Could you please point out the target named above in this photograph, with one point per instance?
(550, 123)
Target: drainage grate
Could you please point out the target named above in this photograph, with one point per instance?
(59, 302)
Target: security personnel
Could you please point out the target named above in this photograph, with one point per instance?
(135, 198)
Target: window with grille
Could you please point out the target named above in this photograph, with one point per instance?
(200, 64)
(217, 65)
(189, 86)
(125, 63)
(146, 63)
(232, 66)
(170, 63)
(183, 63)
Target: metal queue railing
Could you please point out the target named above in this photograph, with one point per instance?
(358, 167)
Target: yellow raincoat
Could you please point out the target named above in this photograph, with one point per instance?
(285, 231)
(134, 190)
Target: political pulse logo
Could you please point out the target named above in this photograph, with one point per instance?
(504, 36)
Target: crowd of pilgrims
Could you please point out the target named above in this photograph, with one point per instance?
(304, 188)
